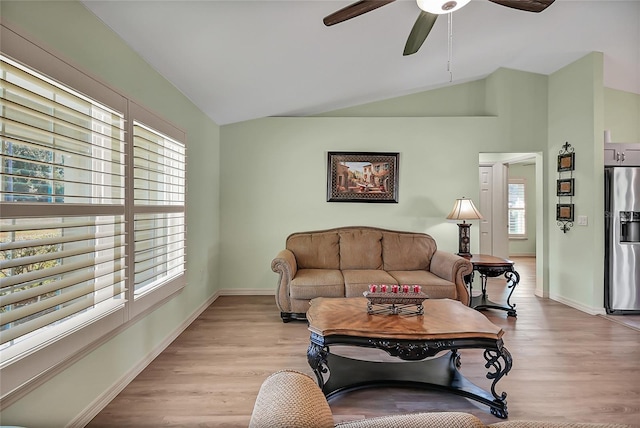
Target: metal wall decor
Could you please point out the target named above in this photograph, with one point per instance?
(565, 187)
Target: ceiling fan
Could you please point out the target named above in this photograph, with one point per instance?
(430, 9)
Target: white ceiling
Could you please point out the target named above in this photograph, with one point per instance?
(239, 60)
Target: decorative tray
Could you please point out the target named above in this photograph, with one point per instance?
(409, 303)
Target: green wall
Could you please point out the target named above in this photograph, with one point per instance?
(467, 99)
(274, 170)
(622, 116)
(520, 100)
(576, 258)
(86, 42)
(274, 182)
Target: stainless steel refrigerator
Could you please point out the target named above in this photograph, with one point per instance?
(622, 240)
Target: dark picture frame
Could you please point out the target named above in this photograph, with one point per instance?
(566, 162)
(362, 177)
(565, 187)
(564, 212)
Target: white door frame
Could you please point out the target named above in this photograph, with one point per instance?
(488, 243)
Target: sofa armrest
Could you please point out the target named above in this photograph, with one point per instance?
(452, 268)
(422, 420)
(285, 265)
(288, 399)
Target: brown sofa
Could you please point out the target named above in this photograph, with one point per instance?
(290, 399)
(343, 262)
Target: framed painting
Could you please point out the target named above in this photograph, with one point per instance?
(566, 162)
(565, 187)
(564, 212)
(362, 177)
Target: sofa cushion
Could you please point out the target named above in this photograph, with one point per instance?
(360, 249)
(418, 420)
(310, 283)
(315, 250)
(300, 306)
(438, 288)
(357, 281)
(407, 251)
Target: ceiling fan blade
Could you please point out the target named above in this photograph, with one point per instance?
(355, 9)
(526, 5)
(419, 32)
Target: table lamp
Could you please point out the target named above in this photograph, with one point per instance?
(464, 210)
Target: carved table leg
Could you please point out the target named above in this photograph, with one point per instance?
(455, 357)
(500, 360)
(317, 358)
(483, 282)
(513, 278)
(482, 301)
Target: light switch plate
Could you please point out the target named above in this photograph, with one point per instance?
(582, 220)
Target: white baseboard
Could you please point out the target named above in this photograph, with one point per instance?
(247, 292)
(576, 305)
(539, 292)
(96, 406)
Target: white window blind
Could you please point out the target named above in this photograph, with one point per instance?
(517, 208)
(62, 195)
(159, 208)
(92, 223)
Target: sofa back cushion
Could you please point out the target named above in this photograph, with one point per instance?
(407, 251)
(315, 250)
(360, 249)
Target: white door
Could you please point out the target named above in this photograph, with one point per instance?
(485, 206)
(494, 232)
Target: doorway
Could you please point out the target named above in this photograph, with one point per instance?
(494, 174)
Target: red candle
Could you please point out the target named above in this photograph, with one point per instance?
(405, 288)
(394, 288)
(373, 288)
(383, 288)
(416, 288)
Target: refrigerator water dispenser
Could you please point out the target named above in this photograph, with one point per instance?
(629, 226)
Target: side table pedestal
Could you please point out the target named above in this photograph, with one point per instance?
(491, 267)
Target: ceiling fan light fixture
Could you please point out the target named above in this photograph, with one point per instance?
(441, 6)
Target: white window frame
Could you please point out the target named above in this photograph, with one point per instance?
(140, 304)
(523, 182)
(31, 368)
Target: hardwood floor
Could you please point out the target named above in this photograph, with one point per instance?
(567, 365)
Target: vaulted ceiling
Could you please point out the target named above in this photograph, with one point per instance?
(239, 60)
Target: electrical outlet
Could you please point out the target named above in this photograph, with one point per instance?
(582, 220)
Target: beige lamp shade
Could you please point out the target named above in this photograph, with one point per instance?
(464, 209)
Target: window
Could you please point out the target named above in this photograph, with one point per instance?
(62, 240)
(158, 211)
(517, 209)
(92, 215)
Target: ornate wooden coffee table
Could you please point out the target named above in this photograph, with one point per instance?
(447, 325)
